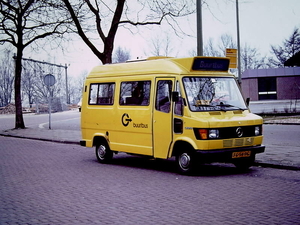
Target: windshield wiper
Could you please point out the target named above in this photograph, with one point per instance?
(204, 105)
(230, 106)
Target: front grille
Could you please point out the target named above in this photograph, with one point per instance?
(238, 142)
(227, 143)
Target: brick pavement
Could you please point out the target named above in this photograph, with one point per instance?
(53, 183)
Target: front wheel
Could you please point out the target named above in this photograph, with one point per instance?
(185, 162)
(103, 153)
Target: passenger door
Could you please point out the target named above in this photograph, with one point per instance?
(162, 117)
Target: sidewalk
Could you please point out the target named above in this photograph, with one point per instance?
(272, 157)
(61, 136)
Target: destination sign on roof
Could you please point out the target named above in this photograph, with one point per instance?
(211, 64)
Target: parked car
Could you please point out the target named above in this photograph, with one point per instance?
(79, 105)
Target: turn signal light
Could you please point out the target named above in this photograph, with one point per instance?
(203, 133)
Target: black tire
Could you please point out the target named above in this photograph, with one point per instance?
(103, 153)
(185, 161)
(244, 164)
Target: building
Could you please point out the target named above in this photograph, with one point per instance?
(271, 84)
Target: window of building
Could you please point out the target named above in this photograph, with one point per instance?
(267, 88)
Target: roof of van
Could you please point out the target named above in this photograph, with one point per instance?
(162, 65)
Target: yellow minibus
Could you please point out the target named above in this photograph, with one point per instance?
(188, 108)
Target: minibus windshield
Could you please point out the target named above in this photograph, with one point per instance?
(213, 94)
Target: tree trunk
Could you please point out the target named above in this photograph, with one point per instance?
(19, 123)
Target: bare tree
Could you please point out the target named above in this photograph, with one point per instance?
(110, 15)
(226, 41)
(23, 23)
(288, 49)
(251, 59)
(33, 87)
(210, 49)
(161, 45)
(219, 49)
(76, 87)
(6, 78)
(121, 55)
(250, 56)
(156, 47)
(28, 81)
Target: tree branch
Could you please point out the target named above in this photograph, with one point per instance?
(81, 32)
(98, 19)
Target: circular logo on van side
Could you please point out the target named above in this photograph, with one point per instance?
(239, 132)
(126, 120)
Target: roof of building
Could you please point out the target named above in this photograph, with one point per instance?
(273, 72)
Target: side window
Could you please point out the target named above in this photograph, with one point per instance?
(135, 93)
(178, 110)
(102, 94)
(163, 96)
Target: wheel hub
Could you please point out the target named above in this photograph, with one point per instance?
(101, 151)
(184, 160)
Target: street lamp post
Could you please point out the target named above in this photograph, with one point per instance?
(67, 91)
(238, 43)
(199, 29)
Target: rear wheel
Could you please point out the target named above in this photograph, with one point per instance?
(103, 153)
(185, 162)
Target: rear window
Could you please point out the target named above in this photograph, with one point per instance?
(102, 94)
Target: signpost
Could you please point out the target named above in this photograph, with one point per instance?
(49, 81)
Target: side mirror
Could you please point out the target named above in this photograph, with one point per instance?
(247, 101)
(175, 96)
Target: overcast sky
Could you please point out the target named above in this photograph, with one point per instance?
(262, 23)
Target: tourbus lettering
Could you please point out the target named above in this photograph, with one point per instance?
(210, 65)
(140, 125)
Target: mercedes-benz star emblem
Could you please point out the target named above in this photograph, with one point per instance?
(239, 132)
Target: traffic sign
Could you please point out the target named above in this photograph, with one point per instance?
(231, 53)
(49, 80)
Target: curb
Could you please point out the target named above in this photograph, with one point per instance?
(42, 139)
(280, 123)
(276, 166)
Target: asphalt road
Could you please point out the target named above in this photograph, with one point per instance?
(67, 120)
(53, 183)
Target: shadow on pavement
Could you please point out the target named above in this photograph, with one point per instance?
(169, 166)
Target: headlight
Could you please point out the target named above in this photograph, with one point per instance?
(213, 134)
(204, 134)
(257, 130)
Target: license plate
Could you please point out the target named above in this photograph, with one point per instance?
(241, 154)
